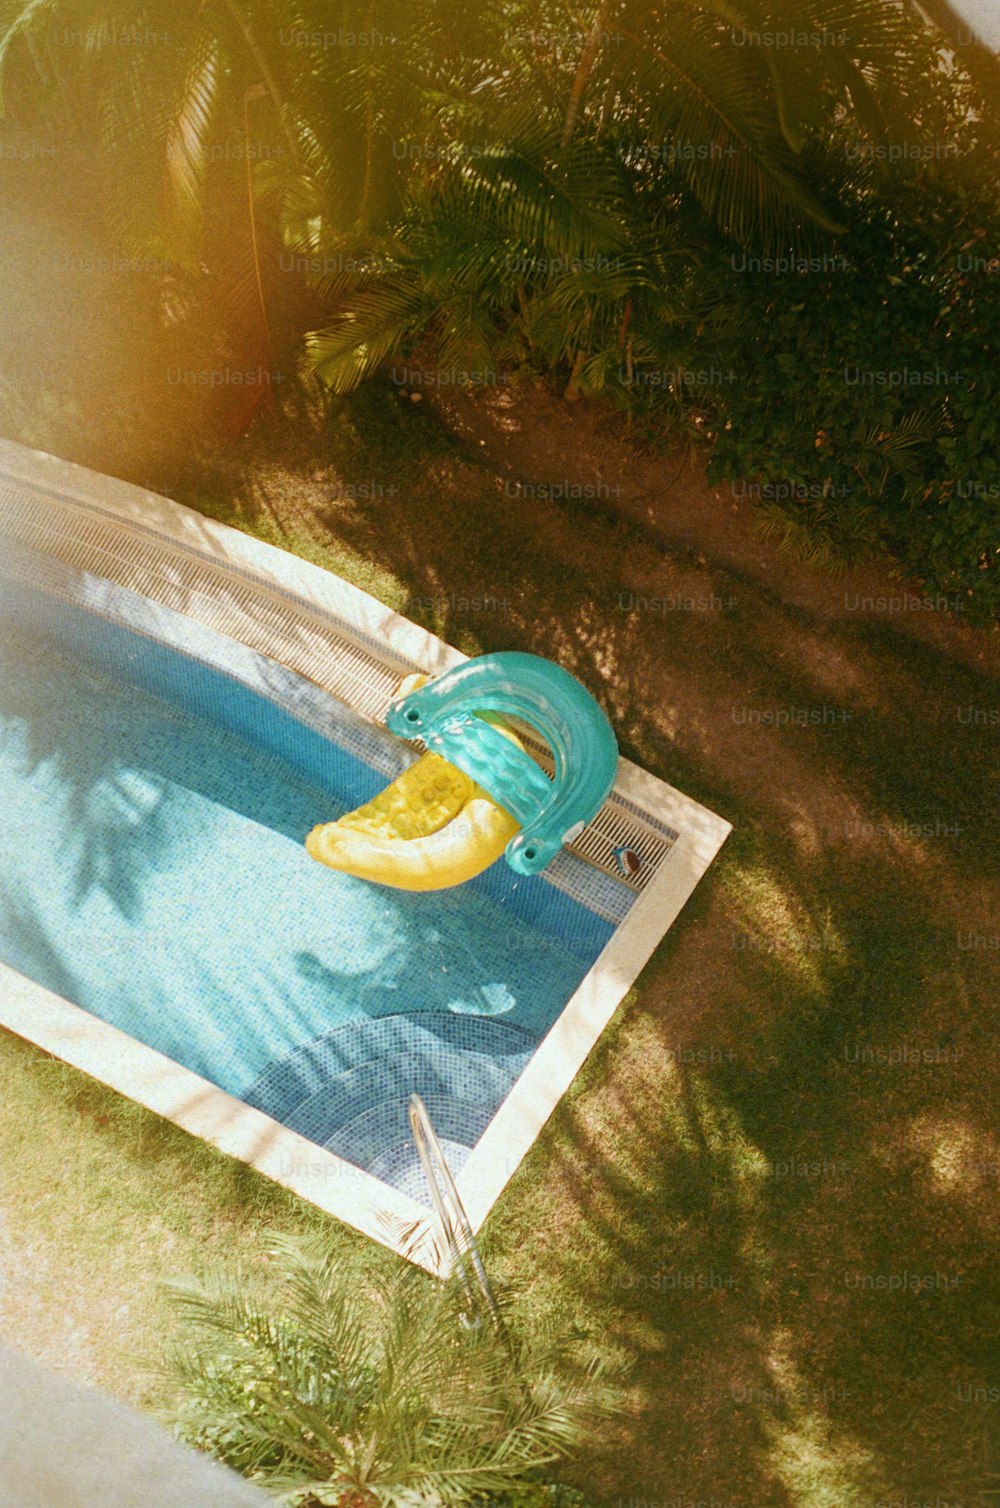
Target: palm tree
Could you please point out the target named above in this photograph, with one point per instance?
(353, 1397)
(312, 93)
(572, 222)
(224, 132)
(481, 177)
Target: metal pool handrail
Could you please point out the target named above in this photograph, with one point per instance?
(455, 1223)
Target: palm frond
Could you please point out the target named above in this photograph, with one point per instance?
(16, 22)
(384, 1390)
(381, 317)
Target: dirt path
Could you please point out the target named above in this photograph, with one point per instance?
(551, 449)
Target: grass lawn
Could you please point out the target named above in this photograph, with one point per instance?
(771, 1196)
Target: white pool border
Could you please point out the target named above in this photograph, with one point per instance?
(199, 1107)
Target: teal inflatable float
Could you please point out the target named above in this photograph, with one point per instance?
(457, 716)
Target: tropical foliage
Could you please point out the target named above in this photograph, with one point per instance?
(865, 411)
(339, 1395)
(487, 190)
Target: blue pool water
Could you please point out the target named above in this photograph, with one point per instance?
(152, 871)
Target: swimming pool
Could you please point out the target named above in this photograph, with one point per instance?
(152, 871)
(159, 777)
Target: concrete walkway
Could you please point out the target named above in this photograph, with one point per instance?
(64, 1446)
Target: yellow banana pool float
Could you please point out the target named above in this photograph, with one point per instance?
(478, 793)
(433, 827)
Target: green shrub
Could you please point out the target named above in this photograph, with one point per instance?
(863, 400)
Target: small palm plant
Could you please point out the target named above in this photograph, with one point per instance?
(357, 1397)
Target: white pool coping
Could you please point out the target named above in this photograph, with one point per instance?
(237, 1129)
